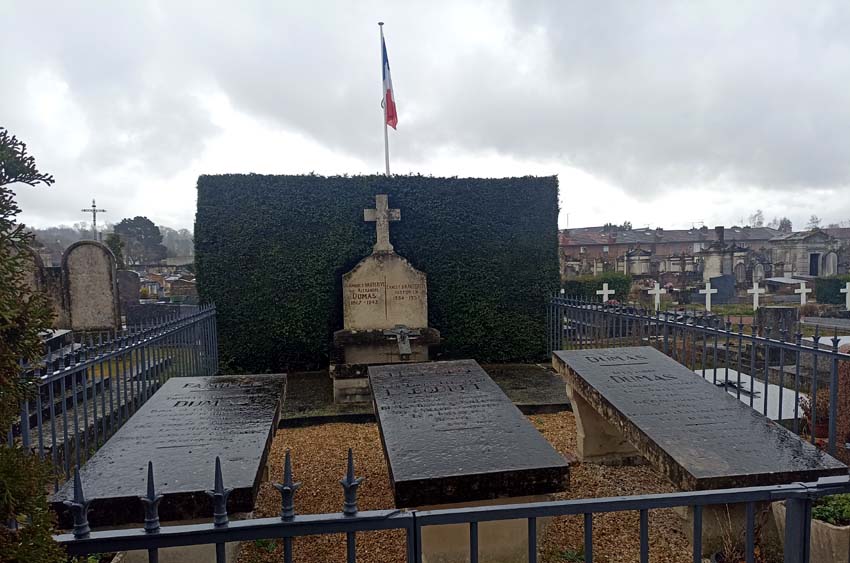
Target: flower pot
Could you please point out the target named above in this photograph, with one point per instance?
(829, 544)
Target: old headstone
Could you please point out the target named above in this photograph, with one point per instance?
(129, 289)
(452, 437)
(91, 291)
(385, 312)
(181, 429)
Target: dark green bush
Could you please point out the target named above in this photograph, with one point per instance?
(586, 286)
(828, 290)
(833, 509)
(271, 251)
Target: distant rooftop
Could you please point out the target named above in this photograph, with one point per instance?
(597, 235)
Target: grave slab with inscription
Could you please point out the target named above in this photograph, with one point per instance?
(385, 312)
(451, 435)
(181, 429)
(452, 438)
(697, 434)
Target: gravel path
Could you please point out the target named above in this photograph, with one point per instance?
(319, 462)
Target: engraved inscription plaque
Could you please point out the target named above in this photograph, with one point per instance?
(451, 435)
(182, 428)
(701, 437)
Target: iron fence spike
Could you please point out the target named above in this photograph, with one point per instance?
(79, 508)
(349, 485)
(151, 504)
(219, 496)
(287, 490)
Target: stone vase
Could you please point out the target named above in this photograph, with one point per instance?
(829, 544)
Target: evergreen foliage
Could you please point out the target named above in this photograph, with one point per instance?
(23, 316)
(586, 286)
(271, 251)
(828, 289)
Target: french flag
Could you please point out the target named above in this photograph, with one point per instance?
(389, 100)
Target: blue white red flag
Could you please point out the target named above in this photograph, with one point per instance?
(389, 97)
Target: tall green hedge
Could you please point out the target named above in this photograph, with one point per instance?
(270, 251)
(586, 286)
(828, 290)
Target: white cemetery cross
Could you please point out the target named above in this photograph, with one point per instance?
(802, 292)
(846, 291)
(657, 292)
(605, 292)
(707, 292)
(755, 291)
(381, 216)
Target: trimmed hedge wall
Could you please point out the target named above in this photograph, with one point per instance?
(270, 252)
(828, 290)
(586, 286)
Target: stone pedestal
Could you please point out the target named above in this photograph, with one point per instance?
(597, 441)
(504, 541)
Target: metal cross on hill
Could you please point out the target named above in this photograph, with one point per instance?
(381, 216)
(94, 211)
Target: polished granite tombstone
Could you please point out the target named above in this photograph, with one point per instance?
(450, 435)
(699, 435)
(182, 428)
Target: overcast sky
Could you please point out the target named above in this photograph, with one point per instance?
(660, 113)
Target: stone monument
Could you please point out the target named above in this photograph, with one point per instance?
(385, 313)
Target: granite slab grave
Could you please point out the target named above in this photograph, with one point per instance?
(182, 428)
(696, 433)
(450, 435)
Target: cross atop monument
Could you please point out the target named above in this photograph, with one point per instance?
(846, 290)
(657, 292)
(605, 292)
(381, 216)
(708, 291)
(755, 291)
(803, 291)
(94, 211)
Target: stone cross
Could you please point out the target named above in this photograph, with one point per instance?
(802, 292)
(402, 334)
(657, 292)
(381, 216)
(755, 291)
(707, 292)
(847, 296)
(605, 292)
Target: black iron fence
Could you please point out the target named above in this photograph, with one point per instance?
(775, 369)
(152, 537)
(91, 385)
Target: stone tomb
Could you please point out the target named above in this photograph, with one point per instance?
(451, 437)
(385, 313)
(181, 429)
(635, 401)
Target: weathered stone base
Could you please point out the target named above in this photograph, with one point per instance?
(597, 441)
(503, 541)
(726, 524)
(352, 390)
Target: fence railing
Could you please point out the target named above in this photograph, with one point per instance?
(773, 368)
(152, 537)
(89, 388)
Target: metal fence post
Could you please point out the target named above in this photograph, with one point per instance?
(798, 521)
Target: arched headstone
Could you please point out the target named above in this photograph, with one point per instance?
(830, 264)
(740, 272)
(91, 291)
(758, 273)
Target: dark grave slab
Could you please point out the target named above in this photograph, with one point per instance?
(698, 434)
(182, 428)
(450, 435)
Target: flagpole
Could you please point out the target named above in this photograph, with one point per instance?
(384, 104)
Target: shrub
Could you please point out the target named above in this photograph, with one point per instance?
(833, 509)
(828, 290)
(270, 251)
(586, 286)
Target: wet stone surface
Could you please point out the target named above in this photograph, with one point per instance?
(451, 435)
(182, 428)
(700, 436)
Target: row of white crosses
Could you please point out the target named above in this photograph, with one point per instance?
(657, 292)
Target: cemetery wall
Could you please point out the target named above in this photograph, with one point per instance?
(271, 252)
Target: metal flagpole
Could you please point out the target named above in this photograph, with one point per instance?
(384, 103)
